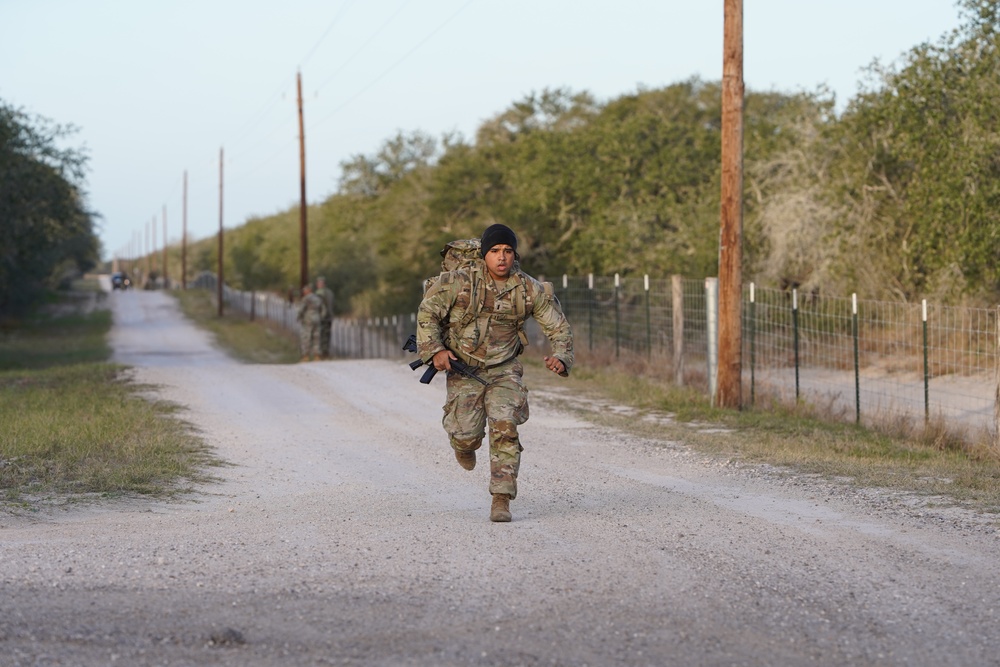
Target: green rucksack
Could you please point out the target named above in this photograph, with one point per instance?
(457, 254)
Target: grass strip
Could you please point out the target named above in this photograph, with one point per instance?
(891, 454)
(73, 426)
(83, 430)
(258, 342)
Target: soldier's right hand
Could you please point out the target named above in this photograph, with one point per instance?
(442, 360)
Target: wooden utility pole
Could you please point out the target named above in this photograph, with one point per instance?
(728, 390)
(152, 247)
(184, 234)
(303, 232)
(221, 276)
(166, 284)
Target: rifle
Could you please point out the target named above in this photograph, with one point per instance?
(457, 365)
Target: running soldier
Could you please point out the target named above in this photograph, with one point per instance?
(476, 314)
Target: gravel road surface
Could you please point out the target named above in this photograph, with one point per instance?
(344, 533)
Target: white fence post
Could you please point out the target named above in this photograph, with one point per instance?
(712, 332)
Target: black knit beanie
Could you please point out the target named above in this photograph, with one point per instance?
(495, 235)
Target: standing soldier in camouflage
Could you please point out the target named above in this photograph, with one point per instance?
(311, 313)
(326, 324)
(476, 314)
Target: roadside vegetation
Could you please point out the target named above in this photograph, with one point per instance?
(900, 455)
(47, 232)
(74, 427)
(256, 342)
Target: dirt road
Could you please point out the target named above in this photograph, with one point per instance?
(344, 533)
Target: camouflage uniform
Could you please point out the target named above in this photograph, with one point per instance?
(489, 338)
(311, 312)
(326, 323)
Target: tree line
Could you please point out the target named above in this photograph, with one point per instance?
(895, 197)
(47, 235)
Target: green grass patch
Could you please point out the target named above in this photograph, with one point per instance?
(82, 430)
(73, 426)
(258, 341)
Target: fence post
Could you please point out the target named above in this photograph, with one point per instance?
(649, 325)
(996, 398)
(927, 370)
(617, 319)
(677, 293)
(565, 303)
(752, 325)
(712, 333)
(397, 334)
(795, 338)
(380, 324)
(590, 311)
(857, 377)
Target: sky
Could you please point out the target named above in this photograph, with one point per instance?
(159, 88)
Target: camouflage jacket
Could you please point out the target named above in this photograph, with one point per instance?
(326, 295)
(490, 332)
(311, 310)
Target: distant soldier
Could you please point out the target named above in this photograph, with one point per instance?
(312, 310)
(326, 324)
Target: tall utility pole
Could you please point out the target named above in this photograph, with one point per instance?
(303, 233)
(221, 276)
(152, 248)
(166, 284)
(728, 391)
(184, 235)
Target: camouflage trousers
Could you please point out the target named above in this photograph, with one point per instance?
(325, 327)
(309, 339)
(502, 405)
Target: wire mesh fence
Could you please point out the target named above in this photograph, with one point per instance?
(864, 359)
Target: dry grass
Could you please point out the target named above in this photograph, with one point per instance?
(890, 452)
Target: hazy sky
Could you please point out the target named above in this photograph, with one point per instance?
(157, 87)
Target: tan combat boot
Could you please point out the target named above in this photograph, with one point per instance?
(500, 509)
(466, 459)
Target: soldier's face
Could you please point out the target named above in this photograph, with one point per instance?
(499, 261)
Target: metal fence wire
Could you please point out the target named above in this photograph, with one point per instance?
(865, 359)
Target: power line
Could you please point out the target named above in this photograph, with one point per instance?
(391, 67)
(275, 96)
(363, 46)
(279, 93)
(335, 21)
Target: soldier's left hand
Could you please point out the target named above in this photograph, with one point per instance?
(555, 365)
